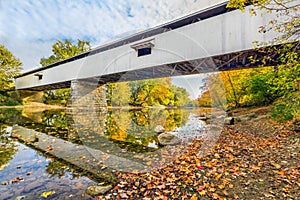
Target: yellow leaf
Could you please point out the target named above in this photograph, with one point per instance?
(47, 194)
(194, 197)
(202, 193)
(215, 196)
(218, 177)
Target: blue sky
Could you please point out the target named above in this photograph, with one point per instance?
(28, 28)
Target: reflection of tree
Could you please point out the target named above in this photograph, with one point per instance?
(7, 149)
(175, 118)
(7, 146)
(55, 118)
(138, 133)
(59, 168)
(113, 131)
(56, 168)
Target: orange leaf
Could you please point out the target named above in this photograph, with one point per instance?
(218, 177)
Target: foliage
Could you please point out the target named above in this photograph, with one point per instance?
(204, 100)
(62, 50)
(9, 68)
(282, 113)
(9, 98)
(65, 49)
(281, 83)
(157, 92)
(118, 94)
(287, 22)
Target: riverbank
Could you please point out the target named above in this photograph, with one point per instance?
(254, 159)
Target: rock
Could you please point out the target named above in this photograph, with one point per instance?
(202, 118)
(159, 129)
(229, 113)
(252, 115)
(229, 121)
(98, 189)
(168, 139)
(245, 118)
(237, 119)
(20, 197)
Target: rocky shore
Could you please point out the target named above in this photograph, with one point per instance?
(254, 158)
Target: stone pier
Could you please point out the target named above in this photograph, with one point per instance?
(88, 106)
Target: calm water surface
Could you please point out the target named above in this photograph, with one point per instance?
(60, 160)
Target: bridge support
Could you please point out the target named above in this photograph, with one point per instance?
(88, 106)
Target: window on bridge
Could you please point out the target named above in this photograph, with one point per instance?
(144, 51)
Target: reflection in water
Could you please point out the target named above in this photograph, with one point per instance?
(133, 129)
(7, 150)
(127, 140)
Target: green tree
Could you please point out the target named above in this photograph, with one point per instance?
(62, 50)
(10, 67)
(282, 83)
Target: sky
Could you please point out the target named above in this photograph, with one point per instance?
(29, 28)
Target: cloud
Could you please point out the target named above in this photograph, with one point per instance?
(29, 28)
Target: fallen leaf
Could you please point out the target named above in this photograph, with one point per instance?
(194, 197)
(49, 148)
(47, 194)
(277, 166)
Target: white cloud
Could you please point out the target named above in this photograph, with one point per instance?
(29, 28)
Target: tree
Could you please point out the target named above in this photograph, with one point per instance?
(9, 68)
(279, 83)
(118, 94)
(62, 50)
(158, 91)
(286, 24)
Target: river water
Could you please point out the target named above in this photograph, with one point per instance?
(56, 154)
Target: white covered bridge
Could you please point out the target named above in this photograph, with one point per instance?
(214, 38)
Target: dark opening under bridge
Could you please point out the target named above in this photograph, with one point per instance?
(212, 39)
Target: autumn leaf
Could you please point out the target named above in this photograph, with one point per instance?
(194, 197)
(47, 194)
(277, 166)
(49, 148)
(202, 193)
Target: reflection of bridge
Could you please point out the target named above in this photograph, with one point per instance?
(212, 39)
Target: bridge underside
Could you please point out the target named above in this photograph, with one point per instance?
(232, 61)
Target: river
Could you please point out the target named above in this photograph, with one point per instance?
(54, 153)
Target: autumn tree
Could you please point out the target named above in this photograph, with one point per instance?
(158, 91)
(62, 50)
(118, 94)
(281, 82)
